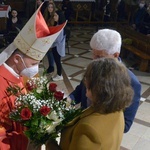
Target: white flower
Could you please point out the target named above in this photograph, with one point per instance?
(53, 116)
(38, 90)
(51, 128)
(61, 114)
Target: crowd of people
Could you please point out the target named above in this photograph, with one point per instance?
(54, 16)
(109, 93)
(137, 14)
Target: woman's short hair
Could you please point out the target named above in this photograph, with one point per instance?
(110, 85)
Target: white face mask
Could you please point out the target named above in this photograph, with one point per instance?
(29, 72)
(141, 5)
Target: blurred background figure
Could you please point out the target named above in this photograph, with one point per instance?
(38, 3)
(55, 17)
(139, 15)
(2, 2)
(121, 11)
(107, 11)
(67, 9)
(145, 26)
(14, 25)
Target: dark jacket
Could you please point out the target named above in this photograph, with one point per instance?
(145, 27)
(12, 26)
(138, 17)
(67, 9)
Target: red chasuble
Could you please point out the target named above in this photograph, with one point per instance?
(11, 133)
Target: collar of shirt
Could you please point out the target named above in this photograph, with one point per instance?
(11, 70)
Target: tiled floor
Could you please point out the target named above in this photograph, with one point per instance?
(74, 64)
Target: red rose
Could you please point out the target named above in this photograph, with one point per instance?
(26, 114)
(52, 87)
(44, 110)
(59, 95)
(30, 86)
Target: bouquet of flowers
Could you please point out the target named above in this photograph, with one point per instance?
(43, 110)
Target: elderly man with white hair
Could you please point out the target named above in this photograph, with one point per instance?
(107, 43)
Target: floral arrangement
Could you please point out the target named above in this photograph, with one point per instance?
(43, 110)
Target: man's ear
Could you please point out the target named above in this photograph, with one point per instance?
(16, 58)
(116, 55)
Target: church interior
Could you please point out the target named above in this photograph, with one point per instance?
(87, 17)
